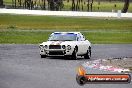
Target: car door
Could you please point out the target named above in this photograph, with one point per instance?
(81, 45)
(85, 44)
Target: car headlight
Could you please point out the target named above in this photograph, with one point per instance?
(69, 47)
(63, 46)
(45, 46)
(41, 46)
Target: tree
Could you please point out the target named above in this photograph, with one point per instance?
(44, 4)
(78, 5)
(59, 5)
(73, 5)
(1, 2)
(52, 5)
(20, 2)
(15, 3)
(88, 6)
(91, 5)
(126, 5)
(82, 5)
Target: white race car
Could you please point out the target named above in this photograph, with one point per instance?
(71, 44)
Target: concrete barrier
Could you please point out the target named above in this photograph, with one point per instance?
(65, 13)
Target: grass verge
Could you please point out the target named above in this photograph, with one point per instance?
(13, 29)
(68, 23)
(36, 37)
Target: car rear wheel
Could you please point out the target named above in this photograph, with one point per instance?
(43, 56)
(88, 54)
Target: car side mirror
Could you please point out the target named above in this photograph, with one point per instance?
(77, 38)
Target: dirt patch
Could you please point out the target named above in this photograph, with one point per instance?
(125, 63)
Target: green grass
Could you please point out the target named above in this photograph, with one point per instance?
(68, 23)
(109, 37)
(36, 37)
(21, 37)
(22, 29)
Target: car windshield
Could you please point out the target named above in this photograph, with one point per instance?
(63, 37)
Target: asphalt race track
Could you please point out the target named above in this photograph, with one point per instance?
(22, 67)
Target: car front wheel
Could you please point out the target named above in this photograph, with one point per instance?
(74, 54)
(81, 80)
(43, 56)
(88, 54)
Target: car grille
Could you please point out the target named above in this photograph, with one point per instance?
(56, 53)
(54, 46)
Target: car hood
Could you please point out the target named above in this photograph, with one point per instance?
(59, 43)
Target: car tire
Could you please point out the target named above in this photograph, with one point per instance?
(74, 54)
(88, 54)
(81, 80)
(43, 56)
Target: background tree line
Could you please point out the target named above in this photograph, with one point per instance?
(76, 5)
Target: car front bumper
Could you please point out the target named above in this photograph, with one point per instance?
(55, 52)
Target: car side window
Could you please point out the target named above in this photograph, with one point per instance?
(82, 37)
(79, 38)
